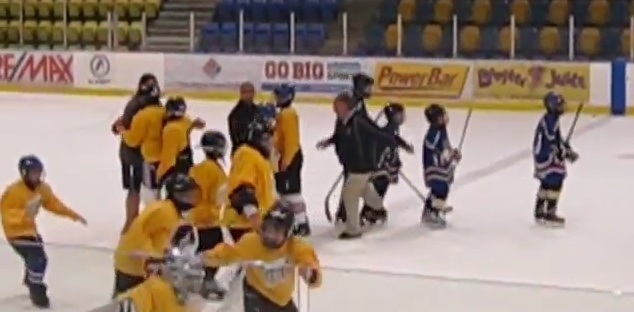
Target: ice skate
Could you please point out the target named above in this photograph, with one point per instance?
(433, 219)
(39, 298)
(552, 219)
(371, 216)
(212, 291)
(302, 229)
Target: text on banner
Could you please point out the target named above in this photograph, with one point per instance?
(36, 67)
(409, 79)
(295, 71)
(525, 80)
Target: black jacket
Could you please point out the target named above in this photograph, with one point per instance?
(127, 154)
(240, 117)
(357, 141)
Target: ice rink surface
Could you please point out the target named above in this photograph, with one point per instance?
(491, 234)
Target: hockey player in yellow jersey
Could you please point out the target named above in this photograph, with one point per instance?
(173, 286)
(176, 151)
(288, 178)
(150, 231)
(250, 185)
(19, 207)
(210, 176)
(145, 134)
(269, 258)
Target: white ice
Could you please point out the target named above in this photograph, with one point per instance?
(491, 235)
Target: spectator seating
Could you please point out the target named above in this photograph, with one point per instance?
(601, 28)
(267, 25)
(43, 25)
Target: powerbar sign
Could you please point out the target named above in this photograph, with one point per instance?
(44, 68)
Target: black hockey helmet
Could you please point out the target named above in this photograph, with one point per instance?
(277, 225)
(180, 189)
(433, 112)
(260, 133)
(149, 88)
(175, 107)
(214, 144)
(362, 85)
(394, 110)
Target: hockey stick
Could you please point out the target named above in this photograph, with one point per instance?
(571, 131)
(409, 183)
(464, 129)
(327, 210)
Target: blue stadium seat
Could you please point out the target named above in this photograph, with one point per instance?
(412, 40)
(310, 11)
(374, 37)
(425, 11)
(229, 37)
(619, 14)
(463, 10)
(248, 36)
(301, 38)
(489, 41)
(580, 11)
(388, 11)
(280, 38)
(529, 42)
(244, 6)
(277, 11)
(329, 9)
(610, 42)
(539, 12)
(500, 13)
(210, 38)
(259, 9)
(226, 10)
(263, 37)
(316, 36)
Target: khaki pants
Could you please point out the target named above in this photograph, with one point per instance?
(358, 186)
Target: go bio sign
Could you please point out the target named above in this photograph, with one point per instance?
(294, 71)
(327, 75)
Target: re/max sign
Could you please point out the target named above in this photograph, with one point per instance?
(37, 68)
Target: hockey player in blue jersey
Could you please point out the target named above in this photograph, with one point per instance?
(389, 162)
(439, 162)
(550, 153)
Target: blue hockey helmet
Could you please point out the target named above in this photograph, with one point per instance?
(31, 170)
(284, 94)
(554, 102)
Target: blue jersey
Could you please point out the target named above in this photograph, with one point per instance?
(389, 159)
(549, 148)
(437, 162)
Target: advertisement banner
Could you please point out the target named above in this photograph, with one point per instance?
(36, 68)
(209, 72)
(420, 79)
(120, 71)
(310, 74)
(530, 80)
(95, 70)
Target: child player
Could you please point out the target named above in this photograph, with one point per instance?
(389, 162)
(288, 178)
(19, 206)
(439, 162)
(270, 256)
(550, 153)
